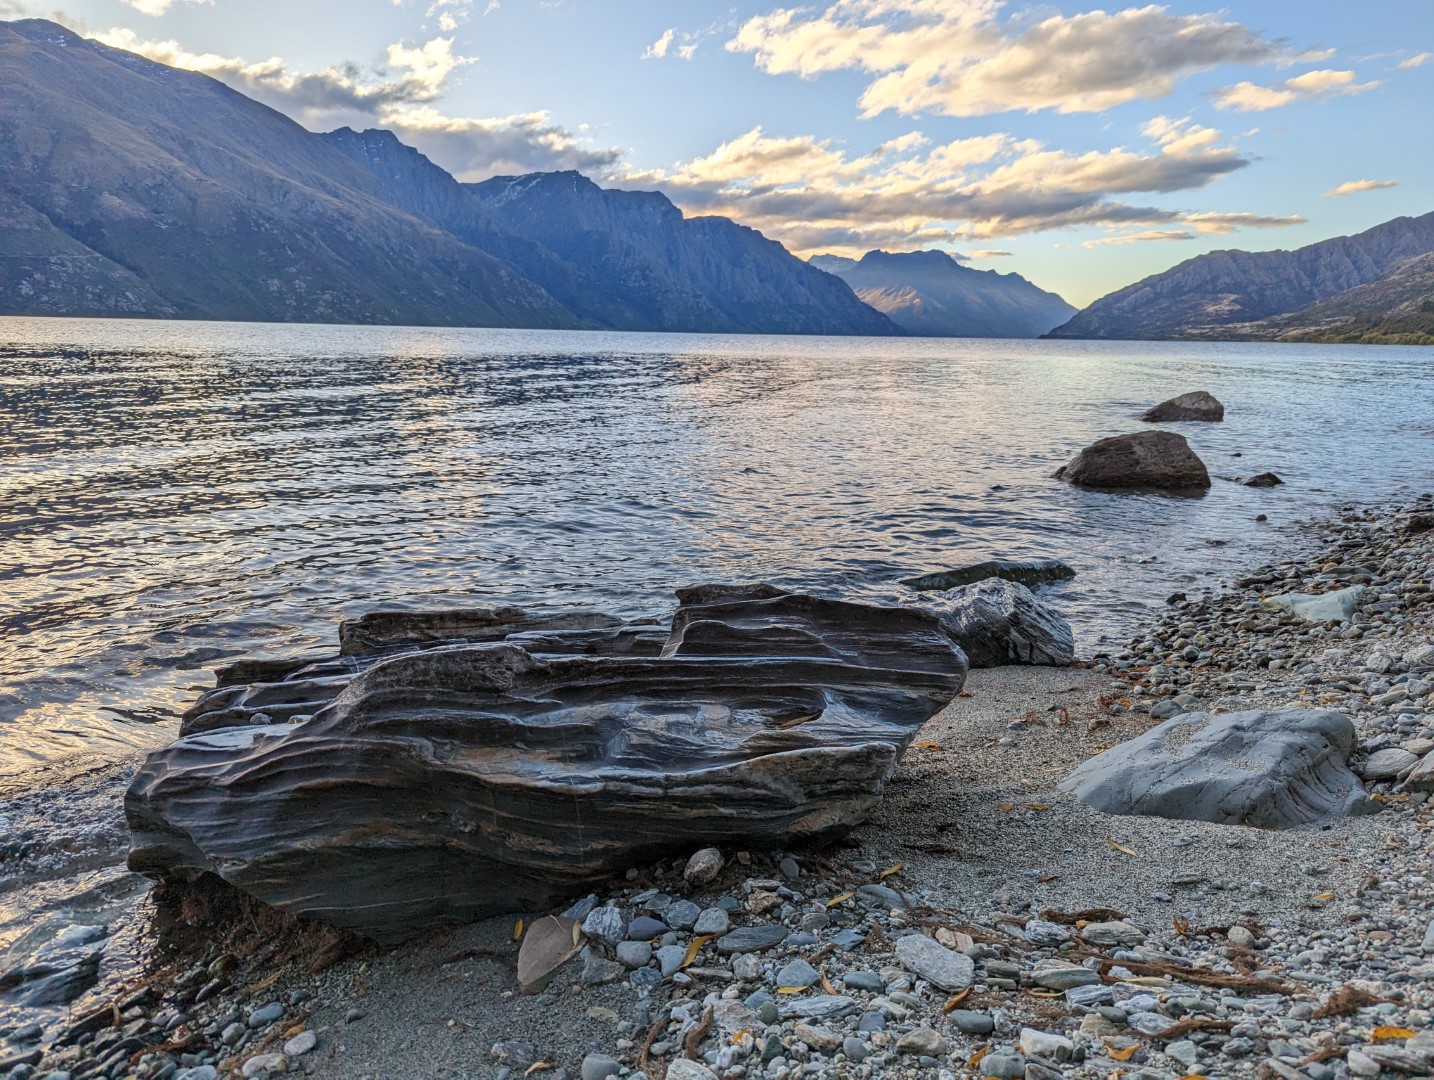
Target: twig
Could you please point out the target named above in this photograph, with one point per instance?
(693, 1042)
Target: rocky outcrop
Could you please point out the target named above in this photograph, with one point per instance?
(1030, 574)
(1196, 405)
(452, 781)
(930, 294)
(1214, 296)
(1147, 459)
(1272, 770)
(1000, 623)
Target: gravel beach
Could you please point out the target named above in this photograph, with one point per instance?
(983, 923)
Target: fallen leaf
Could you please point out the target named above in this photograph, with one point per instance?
(1042, 992)
(518, 931)
(1121, 1053)
(965, 693)
(1182, 925)
(828, 985)
(842, 899)
(695, 948)
(1121, 848)
(1387, 1034)
(892, 870)
(1323, 897)
(952, 1004)
(1048, 879)
(934, 747)
(1007, 807)
(1063, 717)
(979, 1056)
(791, 990)
(1027, 784)
(1040, 808)
(540, 1066)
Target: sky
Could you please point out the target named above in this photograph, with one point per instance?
(1082, 146)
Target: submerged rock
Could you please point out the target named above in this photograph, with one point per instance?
(1263, 480)
(1146, 459)
(1000, 623)
(1196, 405)
(1038, 572)
(448, 783)
(1274, 770)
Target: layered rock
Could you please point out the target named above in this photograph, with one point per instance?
(1000, 623)
(1146, 459)
(450, 782)
(1270, 769)
(1198, 405)
(1029, 573)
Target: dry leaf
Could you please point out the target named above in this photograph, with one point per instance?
(540, 1066)
(955, 1003)
(965, 693)
(1047, 879)
(791, 990)
(1081, 924)
(1063, 717)
(1385, 1034)
(1182, 925)
(892, 870)
(828, 985)
(1039, 808)
(934, 747)
(1324, 897)
(1121, 1054)
(695, 948)
(979, 1056)
(1121, 848)
(842, 899)
(1007, 807)
(1042, 992)
(518, 931)
(1027, 784)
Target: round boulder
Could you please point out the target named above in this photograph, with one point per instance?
(1198, 405)
(1147, 459)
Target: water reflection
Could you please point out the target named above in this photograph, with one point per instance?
(173, 494)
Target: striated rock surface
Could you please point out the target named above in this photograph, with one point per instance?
(449, 782)
(1030, 573)
(1000, 623)
(1197, 405)
(1272, 769)
(1146, 459)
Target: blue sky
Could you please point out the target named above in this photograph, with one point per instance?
(1082, 146)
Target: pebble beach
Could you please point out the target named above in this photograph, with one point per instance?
(984, 922)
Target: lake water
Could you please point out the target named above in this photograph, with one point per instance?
(176, 493)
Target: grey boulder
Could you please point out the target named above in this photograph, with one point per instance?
(1030, 574)
(1338, 606)
(1147, 459)
(1196, 405)
(1275, 770)
(451, 782)
(1000, 623)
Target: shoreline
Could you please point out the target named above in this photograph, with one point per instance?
(987, 841)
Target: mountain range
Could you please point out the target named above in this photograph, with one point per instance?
(928, 293)
(131, 188)
(1377, 277)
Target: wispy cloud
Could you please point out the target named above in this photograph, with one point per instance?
(401, 94)
(813, 195)
(1417, 60)
(959, 58)
(1149, 236)
(1311, 86)
(1353, 187)
(664, 46)
(159, 7)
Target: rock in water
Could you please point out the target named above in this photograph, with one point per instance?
(1039, 572)
(1263, 480)
(1000, 623)
(1147, 459)
(1274, 770)
(1197, 405)
(448, 783)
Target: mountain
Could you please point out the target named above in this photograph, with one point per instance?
(930, 294)
(1206, 297)
(1396, 309)
(131, 188)
(703, 273)
(139, 189)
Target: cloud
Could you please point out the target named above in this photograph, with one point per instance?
(1311, 86)
(1225, 224)
(989, 253)
(400, 95)
(159, 7)
(958, 58)
(663, 46)
(814, 195)
(1151, 235)
(1352, 187)
(1417, 60)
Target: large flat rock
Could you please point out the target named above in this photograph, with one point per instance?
(1275, 770)
(461, 780)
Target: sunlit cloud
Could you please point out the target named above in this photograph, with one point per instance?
(158, 7)
(1311, 86)
(400, 95)
(959, 58)
(1417, 60)
(1149, 236)
(1353, 187)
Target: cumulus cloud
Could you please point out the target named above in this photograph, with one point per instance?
(814, 195)
(664, 46)
(1417, 60)
(1353, 187)
(400, 95)
(1311, 86)
(960, 58)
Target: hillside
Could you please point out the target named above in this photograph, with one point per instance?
(704, 273)
(131, 188)
(928, 293)
(1213, 296)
